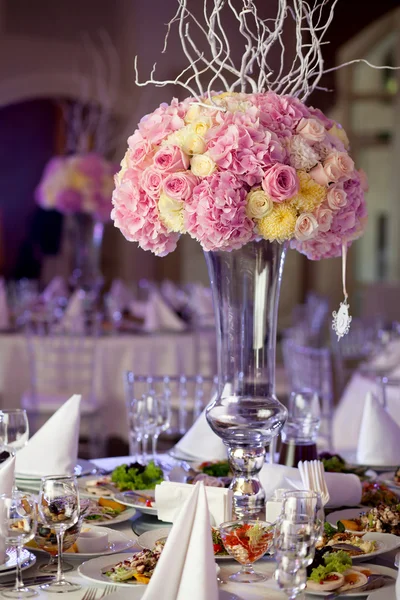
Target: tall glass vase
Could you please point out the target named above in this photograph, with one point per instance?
(86, 236)
(246, 414)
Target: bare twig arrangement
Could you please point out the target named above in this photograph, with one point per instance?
(254, 74)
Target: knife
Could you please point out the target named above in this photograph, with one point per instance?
(38, 580)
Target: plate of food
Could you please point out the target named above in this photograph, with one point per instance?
(350, 456)
(334, 463)
(82, 467)
(335, 573)
(123, 570)
(391, 479)
(94, 541)
(376, 492)
(380, 519)
(143, 501)
(106, 511)
(9, 566)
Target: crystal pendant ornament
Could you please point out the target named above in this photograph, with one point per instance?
(342, 319)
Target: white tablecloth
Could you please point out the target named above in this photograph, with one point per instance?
(348, 414)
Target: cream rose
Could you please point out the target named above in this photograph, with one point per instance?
(171, 213)
(311, 129)
(258, 204)
(193, 143)
(193, 113)
(202, 165)
(201, 126)
(338, 166)
(339, 133)
(336, 197)
(306, 227)
(324, 218)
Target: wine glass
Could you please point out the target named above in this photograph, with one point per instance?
(159, 409)
(17, 428)
(291, 581)
(18, 526)
(247, 541)
(59, 509)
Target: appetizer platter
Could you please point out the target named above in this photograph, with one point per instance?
(106, 511)
(391, 479)
(384, 519)
(142, 501)
(133, 476)
(99, 570)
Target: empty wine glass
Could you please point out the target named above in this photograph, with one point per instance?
(17, 428)
(17, 527)
(59, 509)
(159, 408)
(247, 541)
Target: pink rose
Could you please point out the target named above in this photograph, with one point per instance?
(338, 166)
(336, 197)
(324, 217)
(170, 159)
(139, 154)
(280, 182)
(180, 185)
(311, 129)
(306, 227)
(151, 181)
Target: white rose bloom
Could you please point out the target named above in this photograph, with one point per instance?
(171, 213)
(193, 113)
(202, 165)
(193, 143)
(259, 204)
(306, 227)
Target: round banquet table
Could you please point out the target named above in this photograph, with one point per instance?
(232, 591)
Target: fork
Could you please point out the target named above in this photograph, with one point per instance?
(110, 589)
(90, 594)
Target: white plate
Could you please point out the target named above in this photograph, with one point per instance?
(388, 479)
(82, 467)
(117, 542)
(388, 589)
(94, 569)
(149, 538)
(350, 457)
(130, 499)
(347, 514)
(28, 560)
(121, 518)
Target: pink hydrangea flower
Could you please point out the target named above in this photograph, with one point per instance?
(216, 214)
(163, 121)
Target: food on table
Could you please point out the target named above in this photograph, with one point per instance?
(326, 572)
(382, 518)
(138, 568)
(246, 542)
(396, 477)
(352, 524)
(334, 536)
(334, 463)
(137, 477)
(218, 545)
(46, 538)
(100, 487)
(103, 510)
(215, 468)
(378, 493)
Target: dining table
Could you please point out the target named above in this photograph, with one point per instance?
(139, 523)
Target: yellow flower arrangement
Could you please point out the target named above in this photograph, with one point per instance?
(280, 223)
(310, 195)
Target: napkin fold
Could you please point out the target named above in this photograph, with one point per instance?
(378, 440)
(4, 312)
(201, 442)
(55, 289)
(121, 294)
(201, 304)
(158, 315)
(7, 475)
(170, 497)
(74, 315)
(344, 489)
(186, 569)
(53, 450)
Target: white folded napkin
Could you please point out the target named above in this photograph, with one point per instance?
(378, 441)
(120, 293)
(186, 569)
(201, 303)
(344, 489)
(7, 475)
(4, 312)
(170, 497)
(74, 315)
(158, 315)
(53, 450)
(55, 289)
(176, 297)
(201, 442)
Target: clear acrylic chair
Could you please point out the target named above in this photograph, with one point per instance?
(62, 363)
(187, 396)
(309, 320)
(312, 368)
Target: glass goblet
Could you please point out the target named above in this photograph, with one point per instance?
(294, 542)
(291, 582)
(46, 539)
(17, 526)
(300, 504)
(17, 428)
(59, 509)
(247, 541)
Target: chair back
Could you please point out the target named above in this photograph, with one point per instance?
(311, 368)
(187, 396)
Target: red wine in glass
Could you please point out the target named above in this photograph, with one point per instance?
(292, 451)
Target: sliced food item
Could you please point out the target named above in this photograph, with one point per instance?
(113, 504)
(352, 524)
(353, 579)
(331, 582)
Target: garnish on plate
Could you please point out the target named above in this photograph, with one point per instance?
(137, 477)
(215, 468)
(378, 493)
(103, 510)
(382, 519)
(334, 463)
(136, 569)
(354, 544)
(218, 545)
(331, 572)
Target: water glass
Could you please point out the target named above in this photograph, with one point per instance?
(59, 509)
(17, 527)
(299, 503)
(149, 416)
(159, 406)
(294, 543)
(291, 582)
(16, 428)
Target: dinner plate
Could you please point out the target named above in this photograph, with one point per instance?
(149, 538)
(131, 499)
(350, 457)
(373, 594)
(125, 515)
(94, 570)
(347, 514)
(82, 467)
(117, 542)
(27, 560)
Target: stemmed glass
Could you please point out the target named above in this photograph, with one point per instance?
(150, 415)
(17, 527)
(159, 407)
(16, 428)
(59, 509)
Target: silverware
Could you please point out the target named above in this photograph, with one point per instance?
(90, 594)
(29, 581)
(110, 589)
